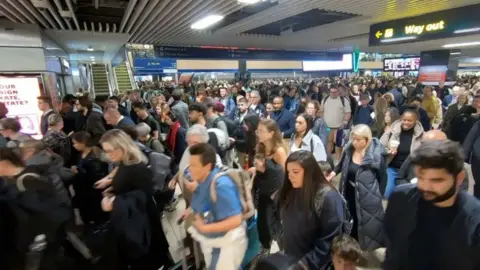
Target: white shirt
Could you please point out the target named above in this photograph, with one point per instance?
(46, 112)
(120, 119)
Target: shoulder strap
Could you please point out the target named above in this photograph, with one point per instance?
(325, 100)
(311, 144)
(342, 99)
(215, 122)
(244, 191)
(20, 185)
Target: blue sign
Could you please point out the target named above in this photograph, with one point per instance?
(153, 64)
(237, 54)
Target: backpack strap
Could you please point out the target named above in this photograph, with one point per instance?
(20, 185)
(215, 122)
(311, 144)
(244, 190)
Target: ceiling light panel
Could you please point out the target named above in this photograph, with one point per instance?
(207, 22)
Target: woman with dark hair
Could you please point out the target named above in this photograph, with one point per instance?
(304, 139)
(89, 169)
(247, 143)
(402, 139)
(320, 128)
(176, 137)
(311, 210)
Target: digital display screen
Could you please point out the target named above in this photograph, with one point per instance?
(401, 64)
(238, 53)
(345, 64)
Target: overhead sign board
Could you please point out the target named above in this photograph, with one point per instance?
(154, 63)
(401, 64)
(237, 53)
(437, 25)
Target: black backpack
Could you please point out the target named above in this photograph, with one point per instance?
(231, 126)
(161, 167)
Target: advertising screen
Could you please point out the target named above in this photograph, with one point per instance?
(401, 64)
(20, 97)
(344, 65)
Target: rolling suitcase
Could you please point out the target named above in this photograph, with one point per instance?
(192, 261)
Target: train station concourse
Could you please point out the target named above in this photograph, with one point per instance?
(407, 73)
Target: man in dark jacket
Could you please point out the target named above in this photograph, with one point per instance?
(284, 118)
(45, 105)
(114, 118)
(406, 173)
(37, 210)
(471, 148)
(94, 122)
(180, 108)
(433, 224)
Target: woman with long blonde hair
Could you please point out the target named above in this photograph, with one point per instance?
(132, 181)
(363, 165)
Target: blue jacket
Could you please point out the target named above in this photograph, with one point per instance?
(230, 105)
(285, 121)
(362, 115)
(287, 102)
(463, 238)
(397, 94)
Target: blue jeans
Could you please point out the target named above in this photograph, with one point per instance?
(391, 175)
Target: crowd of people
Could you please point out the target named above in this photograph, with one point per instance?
(330, 169)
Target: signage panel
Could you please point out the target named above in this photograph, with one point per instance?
(401, 64)
(437, 25)
(20, 97)
(345, 64)
(236, 53)
(154, 64)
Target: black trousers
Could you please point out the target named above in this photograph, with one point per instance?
(265, 218)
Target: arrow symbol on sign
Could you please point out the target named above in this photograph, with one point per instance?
(378, 34)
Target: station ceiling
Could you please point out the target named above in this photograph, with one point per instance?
(337, 25)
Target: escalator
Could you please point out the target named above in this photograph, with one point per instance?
(100, 80)
(122, 78)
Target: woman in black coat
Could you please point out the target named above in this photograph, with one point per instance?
(88, 170)
(364, 176)
(132, 181)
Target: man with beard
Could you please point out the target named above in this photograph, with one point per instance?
(284, 118)
(433, 224)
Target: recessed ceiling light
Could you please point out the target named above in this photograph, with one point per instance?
(466, 44)
(92, 57)
(206, 22)
(467, 30)
(455, 53)
(396, 39)
(249, 2)
(93, 63)
(90, 49)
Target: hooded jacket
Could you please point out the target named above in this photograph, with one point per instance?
(51, 164)
(313, 144)
(394, 134)
(370, 183)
